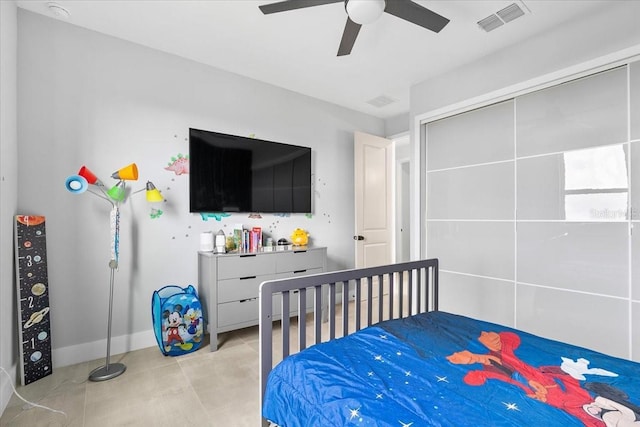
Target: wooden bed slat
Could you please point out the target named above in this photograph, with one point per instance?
(318, 309)
(345, 308)
(358, 303)
(285, 324)
(418, 290)
(369, 299)
(391, 292)
(332, 311)
(302, 313)
(380, 297)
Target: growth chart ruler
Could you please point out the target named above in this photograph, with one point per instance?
(33, 298)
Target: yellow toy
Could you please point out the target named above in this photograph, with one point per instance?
(299, 237)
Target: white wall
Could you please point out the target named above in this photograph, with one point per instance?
(584, 39)
(396, 125)
(87, 98)
(8, 195)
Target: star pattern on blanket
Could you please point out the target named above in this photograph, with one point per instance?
(511, 406)
(391, 373)
(392, 358)
(354, 413)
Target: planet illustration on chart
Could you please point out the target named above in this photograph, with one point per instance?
(36, 317)
(43, 335)
(35, 356)
(30, 219)
(38, 289)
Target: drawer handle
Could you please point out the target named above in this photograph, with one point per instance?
(299, 271)
(247, 255)
(247, 300)
(248, 277)
(299, 252)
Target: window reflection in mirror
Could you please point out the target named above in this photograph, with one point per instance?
(596, 184)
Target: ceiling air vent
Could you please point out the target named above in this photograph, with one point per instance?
(381, 101)
(510, 13)
(490, 23)
(503, 16)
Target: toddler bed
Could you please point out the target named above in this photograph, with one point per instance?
(404, 363)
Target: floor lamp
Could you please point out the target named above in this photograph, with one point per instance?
(79, 183)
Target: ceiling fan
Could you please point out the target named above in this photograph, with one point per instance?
(361, 12)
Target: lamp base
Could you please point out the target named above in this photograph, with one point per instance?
(104, 373)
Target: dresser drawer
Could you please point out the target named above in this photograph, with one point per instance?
(301, 260)
(297, 273)
(245, 265)
(235, 313)
(240, 288)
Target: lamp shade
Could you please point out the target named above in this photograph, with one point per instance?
(117, 192)
(153, 194)
(89, 176)
(127, 173)
(76, 184)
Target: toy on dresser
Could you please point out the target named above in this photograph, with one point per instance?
(299, 237)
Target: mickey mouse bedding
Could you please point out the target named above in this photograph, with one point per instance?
(440, 369)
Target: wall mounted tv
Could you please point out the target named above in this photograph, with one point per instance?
(230, 173)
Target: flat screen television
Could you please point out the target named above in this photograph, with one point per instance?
(229, 173)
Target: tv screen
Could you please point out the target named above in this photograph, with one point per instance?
(229, 173)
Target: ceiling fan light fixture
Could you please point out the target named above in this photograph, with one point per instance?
(364, 11)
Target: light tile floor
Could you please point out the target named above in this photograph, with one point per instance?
(202, 388)
(197, 389)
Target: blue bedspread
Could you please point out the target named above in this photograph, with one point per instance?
(440, 369)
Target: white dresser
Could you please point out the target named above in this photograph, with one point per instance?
(228, 284)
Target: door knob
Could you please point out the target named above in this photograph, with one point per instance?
(358, 237)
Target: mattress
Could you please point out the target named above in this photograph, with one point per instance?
(441, 369)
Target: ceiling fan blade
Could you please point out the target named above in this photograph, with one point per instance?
(283, 6)
(413, 12)
(351, 30)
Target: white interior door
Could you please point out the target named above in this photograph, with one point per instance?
(403, 223)
(373, 200)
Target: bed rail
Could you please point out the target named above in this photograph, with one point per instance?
(368, 296)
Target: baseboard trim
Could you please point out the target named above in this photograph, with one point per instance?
(86, 352)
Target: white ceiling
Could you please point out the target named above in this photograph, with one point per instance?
(297, 49)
